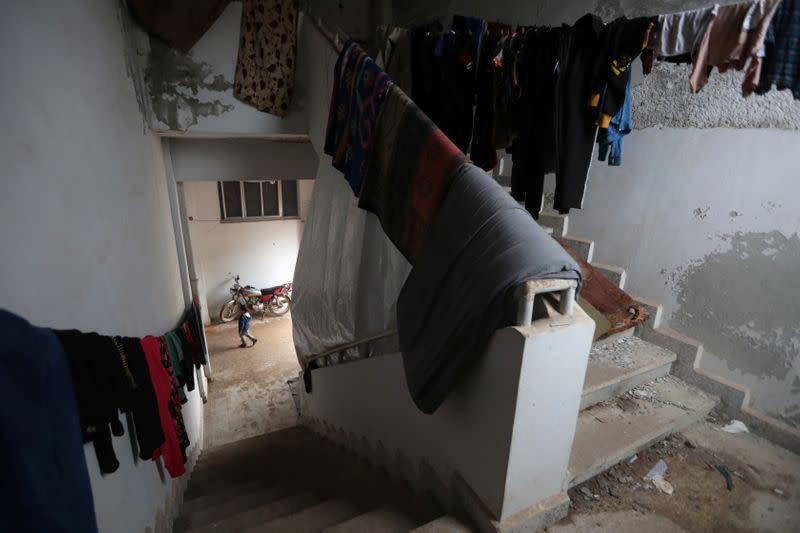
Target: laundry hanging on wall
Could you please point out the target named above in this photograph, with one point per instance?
(547, 94)
(144, 379)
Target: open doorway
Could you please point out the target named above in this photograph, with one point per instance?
(251, 229)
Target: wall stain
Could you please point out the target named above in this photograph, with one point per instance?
(701, 212)
(133, 40)
(175, 80)
(734, 214)
(741, 302)
(770, 207)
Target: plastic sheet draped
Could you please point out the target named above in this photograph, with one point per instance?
(348, 274)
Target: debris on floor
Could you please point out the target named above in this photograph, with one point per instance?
(736, 426)
(659, 469)
(722, 469)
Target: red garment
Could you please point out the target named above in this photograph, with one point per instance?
(162, 383)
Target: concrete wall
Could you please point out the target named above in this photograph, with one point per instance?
(84, 214)
(194, 92)
(263, 253)
(704, 211)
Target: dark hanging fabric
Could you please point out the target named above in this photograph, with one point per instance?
(102, 389)
(619, 43)
(574, 122)
(359, 88)
(45, 483)
(478, 223)
(534, 148)
(188, 355)
(781, 66)
(144, 407)
(265, 67)
(444, 75)
(176, 357)
(483, 152)
(179, 23)
(195, 319)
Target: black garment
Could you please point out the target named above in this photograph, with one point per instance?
(483, 152)
(196, 326)
(534, 148)
(102, 388)
(619, 43)
(443, 74)
(575, 122)
(45, 484)
(144, 407)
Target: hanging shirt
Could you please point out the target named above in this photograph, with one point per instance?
(782, 49)
(680, 33)
(610, 139)
(733, 37)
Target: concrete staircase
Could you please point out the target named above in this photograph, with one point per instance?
(294, 481)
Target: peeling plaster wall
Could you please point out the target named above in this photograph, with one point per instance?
(194, 91)
(704, 213)
(84, 213)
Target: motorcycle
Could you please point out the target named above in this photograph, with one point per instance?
(275, 300)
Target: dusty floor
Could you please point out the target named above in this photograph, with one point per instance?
(765, 495)
(249, 395)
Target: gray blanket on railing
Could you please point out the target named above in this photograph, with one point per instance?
(480, 246)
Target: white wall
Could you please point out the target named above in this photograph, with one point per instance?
(263, 253)
(84, 214)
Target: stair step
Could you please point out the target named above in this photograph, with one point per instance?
(444, 524)
(614, 274)
(267, 513)
(191, 505)
(612, 431)
(620, 365)
(557, 221)
(257, 497)
(311, 519)
(385, 520)
(583, 247)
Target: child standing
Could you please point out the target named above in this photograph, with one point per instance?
(244, 327)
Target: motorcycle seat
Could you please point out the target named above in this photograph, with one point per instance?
(270, 290)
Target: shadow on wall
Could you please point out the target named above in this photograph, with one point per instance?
(743, 304)
(175, 80)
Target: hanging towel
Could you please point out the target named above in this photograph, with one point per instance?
(265, 67)
(45, 483)
(679, 34)
(481, 245)
(408, 172)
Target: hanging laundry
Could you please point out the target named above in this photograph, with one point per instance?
(408, 172)
(575, 125)
(610, 139)
(444, 71)
(45, 483)
(620, 42)
(358, 91)
(478, 223)
(144, 406)
(173, 450)
(734, 37)
(533, 152)
(394, 54)
(176, 357)
(195, 320)
(679, 34)
(265, 67)
(781, 66)
(102, 389)
(484, 152)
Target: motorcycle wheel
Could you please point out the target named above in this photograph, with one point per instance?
(229, 312)
(279, 305)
